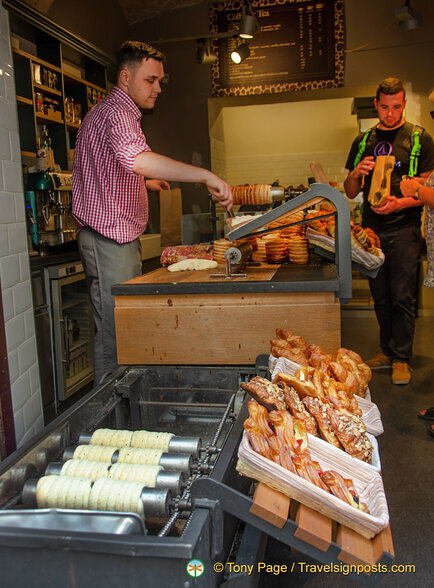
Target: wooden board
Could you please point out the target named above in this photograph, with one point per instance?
(219, 329)
(270, 505)
(313, 528)
(163, 276)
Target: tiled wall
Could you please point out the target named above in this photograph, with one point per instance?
(14, 258)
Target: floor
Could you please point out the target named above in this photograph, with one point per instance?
(406, 451)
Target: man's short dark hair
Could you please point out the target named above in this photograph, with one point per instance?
(390, 86)
(132, 52)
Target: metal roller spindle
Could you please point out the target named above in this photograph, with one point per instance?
(190, 445)
(177, 462)
(239, 254)
(156, 501)
(84, 439)
(54, 469)
(29, 493)
(170, 480)
(69, 453)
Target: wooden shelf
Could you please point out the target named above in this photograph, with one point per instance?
(77, 80)
(46, 89)
(72, 126)
(36, 60)
(45, 118)
(28, 154)
(22, 100)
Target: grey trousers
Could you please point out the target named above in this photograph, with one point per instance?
(106, 263)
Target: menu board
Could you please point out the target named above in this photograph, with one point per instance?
(299, 45)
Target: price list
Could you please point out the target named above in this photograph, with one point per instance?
(295, 43)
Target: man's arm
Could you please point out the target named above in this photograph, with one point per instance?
(153, 165)
(353, 182)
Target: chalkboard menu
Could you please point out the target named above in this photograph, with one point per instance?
(299, 45)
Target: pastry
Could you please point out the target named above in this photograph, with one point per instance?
(351, 432)
(343, 489)
(265, 392)
(318, 410)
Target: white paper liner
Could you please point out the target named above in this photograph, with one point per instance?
(370, 413)
(367, 260)
(367, 482)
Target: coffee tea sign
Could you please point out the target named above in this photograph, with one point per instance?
(299, 46)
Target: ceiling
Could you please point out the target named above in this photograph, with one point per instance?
(135, 11)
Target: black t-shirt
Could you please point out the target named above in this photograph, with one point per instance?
(397, 142)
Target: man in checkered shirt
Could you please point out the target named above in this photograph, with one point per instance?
(113, 169)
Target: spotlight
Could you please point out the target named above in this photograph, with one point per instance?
(407, 17)
(204, 54)
(248, 25)
(240, 53)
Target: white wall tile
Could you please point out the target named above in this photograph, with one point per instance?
(27, 355)
(10, 271)
(24, 265)
(12, 178)
(4, 241)
(17, 237)
(29, 322)
(21, 391)
(20, 211)
(15, 333)
(32, 410)
(19, 426)
(5, 147)
(8, 304)
(15, 145)
(35, 383)
(13, 365)
(22, 297)
(7, 208)
(8, 114)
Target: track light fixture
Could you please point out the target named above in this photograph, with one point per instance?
(407, 17)
(204, 54)
(248, 24)
(240, 53)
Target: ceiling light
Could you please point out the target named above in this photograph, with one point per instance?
(248, 25)
(407, 17)
(204, 54)
(240, 53)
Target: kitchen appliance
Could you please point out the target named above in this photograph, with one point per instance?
(211, 519)
(72, 327)
(48, 198)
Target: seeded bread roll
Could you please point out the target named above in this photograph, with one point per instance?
(151, 440)
(116, 495)
(85, 468)
(95, 452)
(111, 437)
(140, 455)
(63, 492)
(131, 472)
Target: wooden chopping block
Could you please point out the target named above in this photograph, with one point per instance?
(380, 185)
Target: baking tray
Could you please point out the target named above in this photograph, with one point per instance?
(68, 521)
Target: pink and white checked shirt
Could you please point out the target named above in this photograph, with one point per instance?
(107, 195)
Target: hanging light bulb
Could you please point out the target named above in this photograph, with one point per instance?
(204, 54)
(240, 53)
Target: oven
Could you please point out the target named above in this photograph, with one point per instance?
(72, 328)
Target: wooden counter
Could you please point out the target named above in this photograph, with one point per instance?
(190, 318)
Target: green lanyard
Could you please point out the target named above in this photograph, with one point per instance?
(362, 147)
(414, 156)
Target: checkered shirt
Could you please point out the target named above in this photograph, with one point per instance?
(107, 195)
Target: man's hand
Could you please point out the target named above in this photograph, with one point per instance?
(365, 167)
(394, 204)
(409, 187)
(220, 190)
(157, 185)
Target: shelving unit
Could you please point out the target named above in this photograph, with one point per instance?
(45, 57)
